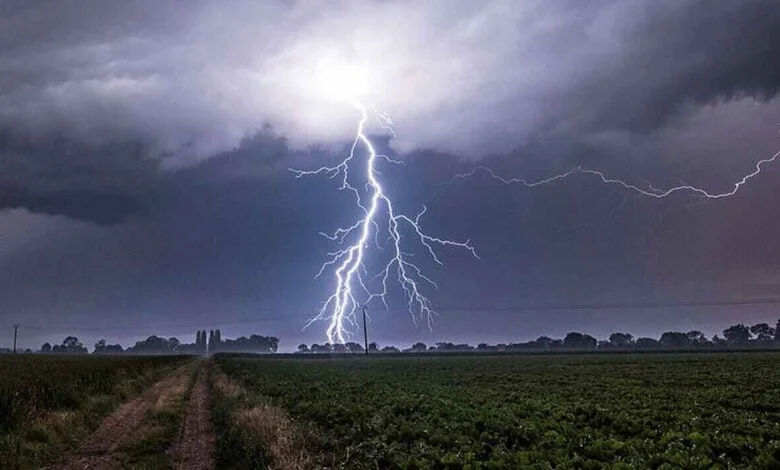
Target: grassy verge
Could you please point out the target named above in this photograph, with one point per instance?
(49, 404)
(149, 445)
(252, 433)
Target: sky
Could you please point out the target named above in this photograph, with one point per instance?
(145, 149)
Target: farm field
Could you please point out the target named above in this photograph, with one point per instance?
(708, 410)
(564, 411)
(49, 403)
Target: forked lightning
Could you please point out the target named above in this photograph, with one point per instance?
(378, 216)
(650, 191)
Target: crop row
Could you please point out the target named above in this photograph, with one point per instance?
(32, 385)
(692, 411)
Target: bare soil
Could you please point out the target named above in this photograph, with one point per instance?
(100, 450)
(197, 441)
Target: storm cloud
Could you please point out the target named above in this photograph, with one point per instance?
(461, 77)
(152, 139)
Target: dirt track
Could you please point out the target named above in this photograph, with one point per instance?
(195, 449)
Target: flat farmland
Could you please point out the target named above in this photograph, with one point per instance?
(696, 410)
(50, 404)
(552, 411)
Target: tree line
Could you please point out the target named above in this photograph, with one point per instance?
(205, 343)
(760, 335)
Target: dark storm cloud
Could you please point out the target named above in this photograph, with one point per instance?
(678, 54)
(179, 120)
(466, 78)
(53, 174)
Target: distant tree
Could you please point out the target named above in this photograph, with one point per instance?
(155, 345)
(575, 340)
(675, 340)
(390, 349)
(646, 343)
(483, 347)
(217, 341)
(544, 342)
(621, 340)
(419, 347)
(200, 341)
(102, 348)
(46, 348)
(696, 338)
(603, 344)
(339, 348)
(373, 347)
(764, 333)
(253, 344)
(70, 345)
(302, 348)
(777, 332)
(737, 334)
(718, 341)
(353, 347)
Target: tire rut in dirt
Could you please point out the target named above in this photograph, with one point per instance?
(99, 450)
(195, 448)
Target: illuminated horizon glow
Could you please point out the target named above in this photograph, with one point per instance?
(351, 291)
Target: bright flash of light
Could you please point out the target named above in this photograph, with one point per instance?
(377, 219)
(649, 191)
(341, 81)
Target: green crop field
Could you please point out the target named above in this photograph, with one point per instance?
(565, 411)
(47, 403)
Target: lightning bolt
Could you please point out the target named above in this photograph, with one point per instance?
(352, 282)
(650, 191)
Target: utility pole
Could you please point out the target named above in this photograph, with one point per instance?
(16, 329)
(365, 331)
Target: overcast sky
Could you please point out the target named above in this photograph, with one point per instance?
(144, 148)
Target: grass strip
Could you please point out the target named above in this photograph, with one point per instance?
(149, 445)
(66, 399)
(253, 433)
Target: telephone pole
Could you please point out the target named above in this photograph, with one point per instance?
(16, 330)
(365, 331)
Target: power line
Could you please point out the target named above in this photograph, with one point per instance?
(614, 306)
(469, 309)
(201, 324)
